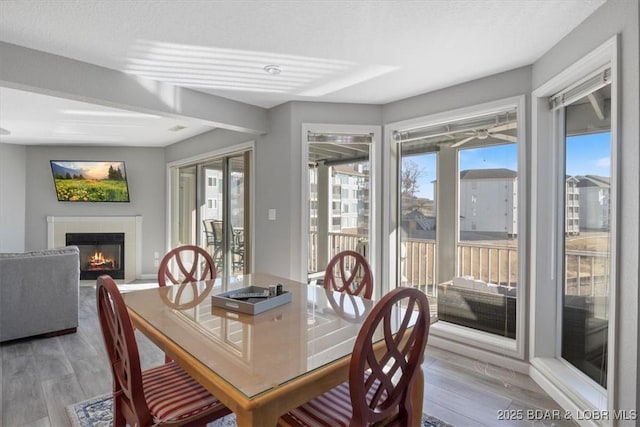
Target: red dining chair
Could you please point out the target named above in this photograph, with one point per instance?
(349, 272)
(164, 395)
(186, 264)
(193, 264)
(379, 386)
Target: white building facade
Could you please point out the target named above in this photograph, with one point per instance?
(489, 201)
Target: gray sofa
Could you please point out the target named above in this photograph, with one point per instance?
(39, 293)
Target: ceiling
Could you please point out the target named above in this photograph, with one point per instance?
(371, 52)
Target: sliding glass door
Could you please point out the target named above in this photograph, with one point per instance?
(211, 209)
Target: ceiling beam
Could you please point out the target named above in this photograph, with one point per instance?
(40, 72)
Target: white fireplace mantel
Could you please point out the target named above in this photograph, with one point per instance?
(131, 226)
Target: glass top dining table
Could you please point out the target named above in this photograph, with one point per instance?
(261, 365)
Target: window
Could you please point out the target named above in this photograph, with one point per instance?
(338, 159)
(587, 234)
(458, 237)
(574, 230)
(214, 217)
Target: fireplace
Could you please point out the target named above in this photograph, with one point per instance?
(100, 253)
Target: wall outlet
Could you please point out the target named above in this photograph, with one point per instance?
(272, 214)
(156, 263)
(156, 255)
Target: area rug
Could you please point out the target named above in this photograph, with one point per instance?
(96, 412)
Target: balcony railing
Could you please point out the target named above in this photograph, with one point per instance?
(587, 271)
(338, 242)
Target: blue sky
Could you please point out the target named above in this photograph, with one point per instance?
(586, 155)
(589, 154)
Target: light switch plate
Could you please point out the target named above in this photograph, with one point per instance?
(272, 214)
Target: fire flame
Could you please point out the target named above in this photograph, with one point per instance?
(97, 257)
(98, 261)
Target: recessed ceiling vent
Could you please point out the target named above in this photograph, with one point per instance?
(177, 128)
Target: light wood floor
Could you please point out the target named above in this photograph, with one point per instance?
(40, 377)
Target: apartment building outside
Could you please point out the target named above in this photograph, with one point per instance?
(594, 199)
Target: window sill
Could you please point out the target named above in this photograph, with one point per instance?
(568, 386)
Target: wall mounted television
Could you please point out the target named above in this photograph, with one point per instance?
(90, 181)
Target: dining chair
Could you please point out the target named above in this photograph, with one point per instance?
(349, 271)
(217, 227)
(193, 264)
(379, 386)
(237, 249)
(164, 395)
(208, 231)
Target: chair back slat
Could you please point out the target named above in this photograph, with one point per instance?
(185, 264)
(380, 385)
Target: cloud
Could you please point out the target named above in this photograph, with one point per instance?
(603, 162)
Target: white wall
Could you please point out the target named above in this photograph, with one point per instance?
(13, 174)
(146, 177)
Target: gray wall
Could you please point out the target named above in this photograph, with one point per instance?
(273, 176)
(279, 166)
(616, 17)
(145, 175)
(13, 175)
(492, 88)
(206, 142)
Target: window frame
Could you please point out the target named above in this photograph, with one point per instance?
(172, 170)
(482, 345)
(570, 387)
(375, 193)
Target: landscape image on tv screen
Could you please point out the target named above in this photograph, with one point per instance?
(90, 181)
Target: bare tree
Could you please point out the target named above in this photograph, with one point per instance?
(410, 176)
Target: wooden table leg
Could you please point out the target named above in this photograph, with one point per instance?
(256, 418)
(417, 397)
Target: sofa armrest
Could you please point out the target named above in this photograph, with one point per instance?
(39, 292)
